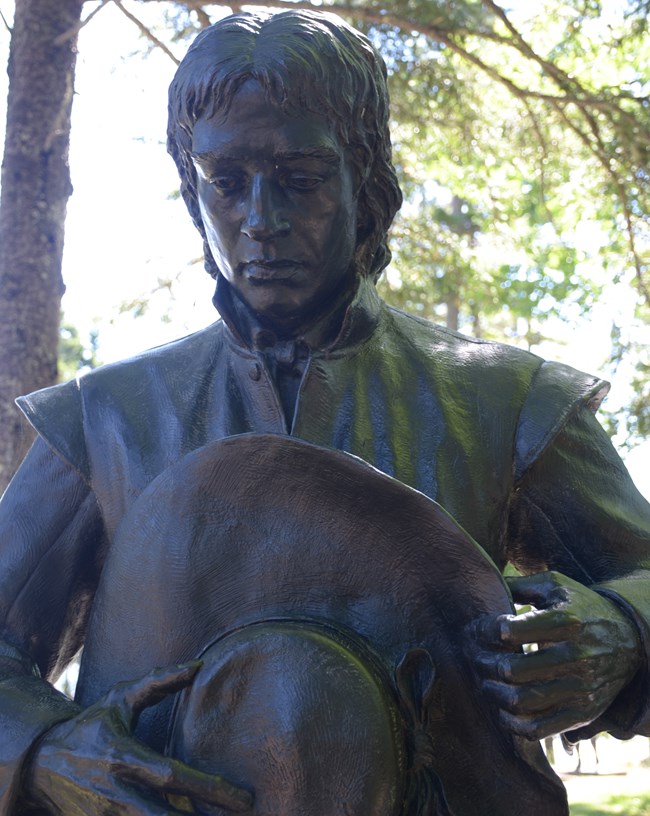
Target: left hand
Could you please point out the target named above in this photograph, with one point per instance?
(588, 650)
(92, 765)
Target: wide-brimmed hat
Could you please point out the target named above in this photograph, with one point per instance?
(305, 716)
(262, 528)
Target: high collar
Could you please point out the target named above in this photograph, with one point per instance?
(348, 322)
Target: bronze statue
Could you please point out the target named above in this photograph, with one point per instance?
(159, 518)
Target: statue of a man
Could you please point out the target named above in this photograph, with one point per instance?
(279, 128)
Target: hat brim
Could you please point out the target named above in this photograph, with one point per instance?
(263, 527)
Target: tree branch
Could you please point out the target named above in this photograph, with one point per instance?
(573, 91)
(599, 151)
(202, 15)
(4, 20)
(568, 84)
(375, 16)
(72, 32)
(146, 31)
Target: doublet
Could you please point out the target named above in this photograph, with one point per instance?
(458, 419)
(504, 441)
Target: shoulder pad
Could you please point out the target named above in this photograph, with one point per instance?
(556, 393)
(56, 415)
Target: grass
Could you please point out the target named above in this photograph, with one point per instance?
(616, 782)
(623, 805)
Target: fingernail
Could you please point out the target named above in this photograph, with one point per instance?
(190, 668)
(505, 632)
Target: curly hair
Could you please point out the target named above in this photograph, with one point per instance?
(304, 60)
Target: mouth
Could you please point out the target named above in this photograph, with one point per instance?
(260, 271)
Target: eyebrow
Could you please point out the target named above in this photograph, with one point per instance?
(325, 154)
(319, 152)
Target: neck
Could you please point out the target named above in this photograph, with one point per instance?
(318, 329)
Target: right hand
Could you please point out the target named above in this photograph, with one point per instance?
(589, 650)
(91, 765)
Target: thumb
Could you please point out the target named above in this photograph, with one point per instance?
(541, 590)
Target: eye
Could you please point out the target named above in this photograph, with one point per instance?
(227, 182)
(301, 182)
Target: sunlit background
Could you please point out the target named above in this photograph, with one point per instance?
(132, 263)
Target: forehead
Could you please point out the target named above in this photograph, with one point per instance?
(254, 124)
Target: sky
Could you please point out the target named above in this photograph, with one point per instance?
(127, 230)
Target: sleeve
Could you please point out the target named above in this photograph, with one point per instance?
(577, 511)
(51, 551)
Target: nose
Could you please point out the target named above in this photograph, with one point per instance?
(264, 218)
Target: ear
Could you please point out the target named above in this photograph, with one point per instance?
(189, 195)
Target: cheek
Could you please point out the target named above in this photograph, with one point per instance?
(346, 216)
(335, 225)
(344, 229)
(216, 229)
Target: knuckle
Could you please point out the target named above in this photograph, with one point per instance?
(514, 702)
(112, 757)
(523, 727)
(166, 774)
(111, 696)
(117, 693)
(504, 669)
(504, 629)
(569, 652)
(573, 621)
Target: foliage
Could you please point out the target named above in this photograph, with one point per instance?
(522, 142)
(559, 129)
(489, 131)
(75, 353)
(630, 343)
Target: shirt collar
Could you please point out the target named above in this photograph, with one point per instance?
(348, 322)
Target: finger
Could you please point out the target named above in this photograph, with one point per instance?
(167, 775)
(512, 631)
(133, 696)
(141, 807)
(539, 727)
(540, 666)
(490, 630)
(542, 589)
(126, 801)
(540, 626)
(537, 698)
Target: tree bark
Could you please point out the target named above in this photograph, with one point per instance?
(35, 190)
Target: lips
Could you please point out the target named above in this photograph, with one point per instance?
(260, 270)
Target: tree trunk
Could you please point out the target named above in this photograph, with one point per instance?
(453, 311)
(35, 190)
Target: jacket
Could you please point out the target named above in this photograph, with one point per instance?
(504, 441)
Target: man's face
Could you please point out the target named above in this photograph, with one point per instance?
(277, 199)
